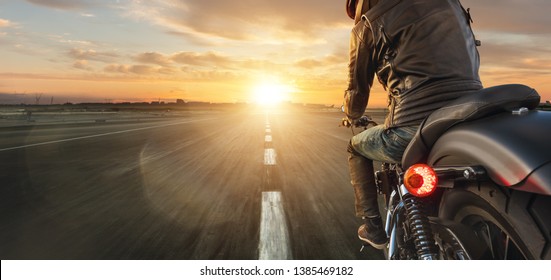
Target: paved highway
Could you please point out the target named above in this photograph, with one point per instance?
(224, 185)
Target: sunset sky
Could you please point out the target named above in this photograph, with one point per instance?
(227, 50)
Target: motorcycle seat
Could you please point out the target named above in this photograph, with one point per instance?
(482, 103)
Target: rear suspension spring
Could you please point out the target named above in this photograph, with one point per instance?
(420, 229)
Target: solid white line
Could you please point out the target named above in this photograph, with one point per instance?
(99, 135)
(269, 157)
(268, 138)
(274, 236)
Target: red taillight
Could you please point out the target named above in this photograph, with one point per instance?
(420, 180)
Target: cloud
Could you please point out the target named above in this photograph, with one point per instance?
(126, 69)
(81, 54)
(5, 23)
(201, 59)
(511, 56)
(327, 61)
(139, 69)
(87, 15)
(153, 58)
(513, 16)
(82, 64)
(515, 42)
(209, 75)
(206, 59)
(194, 65)
(64, 4)
(243, 20)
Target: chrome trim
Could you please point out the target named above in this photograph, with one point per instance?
(403, 191)
(520, 111)
(390, 212)
(392, 244)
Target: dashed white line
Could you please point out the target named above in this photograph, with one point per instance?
(269, 157)
(274, 236)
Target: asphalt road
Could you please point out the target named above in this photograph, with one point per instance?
(197, 187)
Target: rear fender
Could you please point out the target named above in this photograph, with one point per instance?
(515, 150)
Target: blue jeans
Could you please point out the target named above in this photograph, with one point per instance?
(374, 144)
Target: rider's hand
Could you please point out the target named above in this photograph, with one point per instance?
(363, 121)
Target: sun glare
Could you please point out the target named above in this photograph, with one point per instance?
(271, 92)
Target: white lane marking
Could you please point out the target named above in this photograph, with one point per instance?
(274, 236)
(268, 130)
(100, 135)
(268, 138)
(269, 157)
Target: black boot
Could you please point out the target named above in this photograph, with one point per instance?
(373, 233)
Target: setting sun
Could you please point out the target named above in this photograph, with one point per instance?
(271, 92)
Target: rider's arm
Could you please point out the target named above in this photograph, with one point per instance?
(361, 71)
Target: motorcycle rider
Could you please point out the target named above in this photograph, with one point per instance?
(424, 55)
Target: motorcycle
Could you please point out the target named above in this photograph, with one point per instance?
(474, 183)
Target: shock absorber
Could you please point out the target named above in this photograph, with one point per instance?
(420, 229)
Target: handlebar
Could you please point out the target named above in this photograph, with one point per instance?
(364, 122)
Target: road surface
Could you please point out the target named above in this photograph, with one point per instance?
(225, 185)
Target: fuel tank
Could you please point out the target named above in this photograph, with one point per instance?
(515, 149)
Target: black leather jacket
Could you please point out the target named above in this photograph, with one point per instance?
(423, 52)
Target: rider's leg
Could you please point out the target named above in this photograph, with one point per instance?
(366, 205)
(376, 143)
(383, 144)
(363, 180)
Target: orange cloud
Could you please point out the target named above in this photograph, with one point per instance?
(208, 58)
(153, 58)
(5, 23)
(243, 20)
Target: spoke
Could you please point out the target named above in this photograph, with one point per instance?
(499, 244)
(507, 242)
(489, 241)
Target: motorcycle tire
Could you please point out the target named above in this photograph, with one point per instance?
(509, 224)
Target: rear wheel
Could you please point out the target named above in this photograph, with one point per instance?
(508, 224)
